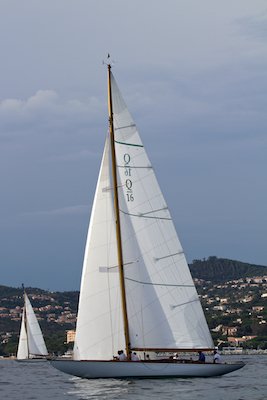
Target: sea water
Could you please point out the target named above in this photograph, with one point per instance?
(40, 381)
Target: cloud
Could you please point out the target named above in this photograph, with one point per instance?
(58, 212)
(40, 100)
(254, 26)
(46, 109)
(74, 156)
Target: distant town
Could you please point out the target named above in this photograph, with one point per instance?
(236, 309)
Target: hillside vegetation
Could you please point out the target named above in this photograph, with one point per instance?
(219, 270)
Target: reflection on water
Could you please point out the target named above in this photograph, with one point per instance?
(100, 388)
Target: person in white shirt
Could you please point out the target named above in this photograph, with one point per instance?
(134, 357)
(121, 355)
(217, 359)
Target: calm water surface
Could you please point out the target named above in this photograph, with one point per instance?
(40, 381)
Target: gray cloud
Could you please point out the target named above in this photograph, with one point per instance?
(65, 211)
(254, 26)
(45, 110)
(194, 77)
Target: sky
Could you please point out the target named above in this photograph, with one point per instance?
(194, 76)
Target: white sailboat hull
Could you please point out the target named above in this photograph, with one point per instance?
(150, 369)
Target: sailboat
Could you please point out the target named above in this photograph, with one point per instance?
(137, 293)
(31, 345)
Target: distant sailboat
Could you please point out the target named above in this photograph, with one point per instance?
(31, 342)
(137, 293)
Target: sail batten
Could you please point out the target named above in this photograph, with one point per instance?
(125, 127)
(127, 144)
(145, 216)
(158, 284)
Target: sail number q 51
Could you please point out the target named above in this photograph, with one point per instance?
(128, 181)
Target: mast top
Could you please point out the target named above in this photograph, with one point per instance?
(109, 62)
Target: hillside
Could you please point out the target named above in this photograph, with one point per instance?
(221, 270)
(234, 305)
(211, 269)
(15, 295)
(56, 312)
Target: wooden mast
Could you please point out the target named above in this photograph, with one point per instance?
(117, 217)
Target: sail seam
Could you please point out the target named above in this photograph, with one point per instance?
(145, 216)
(129, 144)
(124, 127)
(115, 267)
(158, 284)
(135, 167)
(169, 255)
(173, 306)
(150, 212)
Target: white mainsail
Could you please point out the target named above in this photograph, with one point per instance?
(31, 341)
(163, 307)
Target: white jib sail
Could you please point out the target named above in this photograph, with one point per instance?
(23, 351)
(163, 307)
(99, 333)
(36, 342)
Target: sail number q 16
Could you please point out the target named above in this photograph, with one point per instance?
(128, 182)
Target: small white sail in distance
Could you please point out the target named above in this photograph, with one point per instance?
(31, 341)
